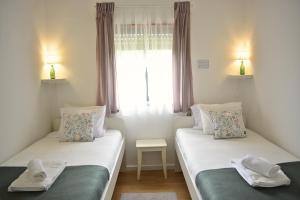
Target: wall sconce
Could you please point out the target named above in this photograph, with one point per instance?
(52, 60)
(243, 57)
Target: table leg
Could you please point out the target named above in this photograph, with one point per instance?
(139, 159)
(164, 161)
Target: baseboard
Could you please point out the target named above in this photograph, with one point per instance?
(150, 167)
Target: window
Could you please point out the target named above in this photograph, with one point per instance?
(144, 66)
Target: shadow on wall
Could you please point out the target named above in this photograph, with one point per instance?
(57, 95)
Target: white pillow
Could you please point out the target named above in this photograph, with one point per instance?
(98, 117)
(208, 126)
(196, 114)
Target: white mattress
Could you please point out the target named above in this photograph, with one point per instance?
(202, 152)
(102, 151)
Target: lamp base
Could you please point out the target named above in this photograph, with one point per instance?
(52, 72)
(242, 68)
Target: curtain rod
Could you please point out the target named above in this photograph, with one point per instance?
(141, 6)
(138, 5)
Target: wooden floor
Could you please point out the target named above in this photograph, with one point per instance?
(151, 181)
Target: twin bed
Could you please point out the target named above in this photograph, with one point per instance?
(92, 167)
(200, 154)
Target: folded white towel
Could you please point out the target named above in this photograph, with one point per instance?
(36, 170)
(257, 180)
(25, 183)
(260, 166)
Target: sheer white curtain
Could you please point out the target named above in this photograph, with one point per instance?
(143, 39)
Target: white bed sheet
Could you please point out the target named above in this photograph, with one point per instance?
(102, 151)
(202, 152)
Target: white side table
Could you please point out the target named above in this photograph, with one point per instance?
(148, 146)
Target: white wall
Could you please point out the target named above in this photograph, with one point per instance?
(72, 31)
(216, 27)
(273, 97)
(23, 102)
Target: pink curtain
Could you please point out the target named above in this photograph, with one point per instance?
(106, 65)
(182, 69)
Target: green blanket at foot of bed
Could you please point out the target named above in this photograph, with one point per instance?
(227, 184)
(75, 183)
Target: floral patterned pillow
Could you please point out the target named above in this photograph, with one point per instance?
(228, 124)
(77, 127)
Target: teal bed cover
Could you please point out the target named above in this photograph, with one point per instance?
(75, 183)
(227, 184)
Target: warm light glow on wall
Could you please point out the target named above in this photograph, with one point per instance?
(52, 59)
(241, 52)
(52, 56)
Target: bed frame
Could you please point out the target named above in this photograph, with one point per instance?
(194, 192)
(110, 186)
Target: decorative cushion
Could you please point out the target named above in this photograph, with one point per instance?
(98, 117)
(77, 127)
(208, 126)
(228, 124)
